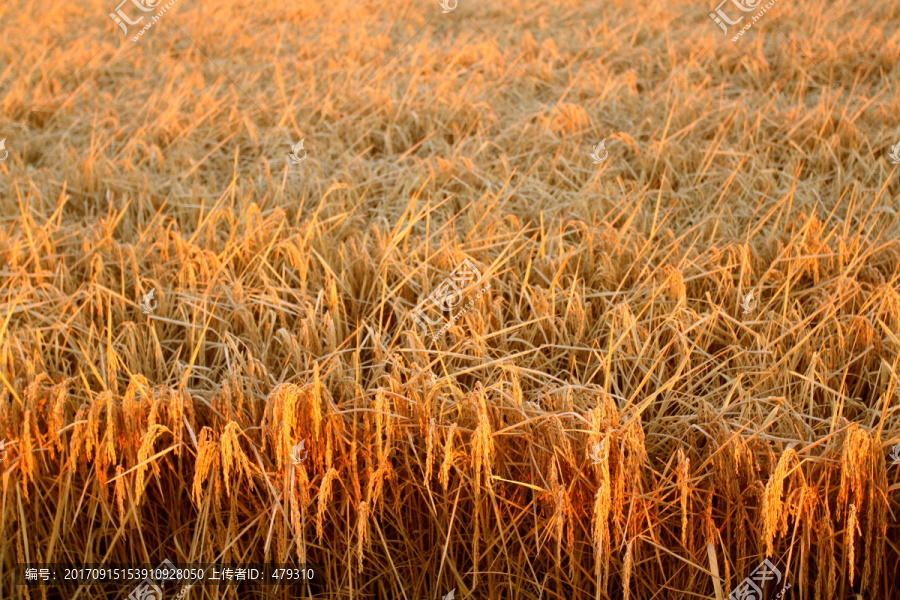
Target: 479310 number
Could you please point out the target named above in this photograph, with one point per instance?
(293, 574)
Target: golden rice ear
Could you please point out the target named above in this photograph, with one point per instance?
(856, 463)
(113, 418)
(448, 461)
(382, 426)
(483, 442)
(626, 577)
(323, 499)
(773, 509)
(849, 535)
(684, 493)
(236, 466)
(120, 492)
(429, 451)
(298, 488)
(315, 398)
(362, 532)
(144, 463)
(600, 524)
(60, 404)
(281, 421)
(206, 465)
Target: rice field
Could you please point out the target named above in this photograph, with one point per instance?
(671, 262)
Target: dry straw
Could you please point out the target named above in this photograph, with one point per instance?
(613, 314)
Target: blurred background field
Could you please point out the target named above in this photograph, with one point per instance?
(613, 317)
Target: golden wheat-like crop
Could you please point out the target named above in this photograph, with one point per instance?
(678, 360)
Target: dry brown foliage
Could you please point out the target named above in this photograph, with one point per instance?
(613, 314)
